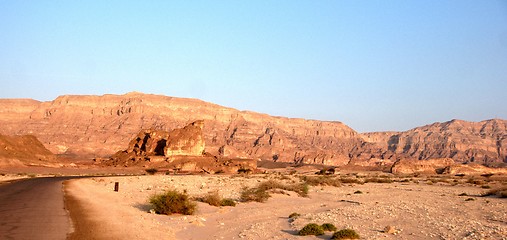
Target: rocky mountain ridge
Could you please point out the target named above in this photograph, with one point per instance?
(98, 126)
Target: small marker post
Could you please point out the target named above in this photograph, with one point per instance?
(116, 186)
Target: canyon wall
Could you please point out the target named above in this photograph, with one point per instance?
(99, 126)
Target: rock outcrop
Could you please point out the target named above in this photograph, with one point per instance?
(99, 126)
(177, 150)
(23, 150)
(161, 145)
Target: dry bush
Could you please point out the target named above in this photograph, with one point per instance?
(351, 180)
(294, 215)
(345, 234)
(214, 199)
(499, 192)
(321, 181)
(228, 202)
(171, 202)
(254, 195)
(260, 192)
(378, 180)
(151, 171)
(329, 227)
(311, 229)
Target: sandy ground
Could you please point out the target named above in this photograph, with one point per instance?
(421, 210)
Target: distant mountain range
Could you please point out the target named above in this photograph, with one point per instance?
(99, 126)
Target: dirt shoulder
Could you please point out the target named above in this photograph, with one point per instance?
(418, 209)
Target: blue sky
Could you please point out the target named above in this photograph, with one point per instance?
(374, 65)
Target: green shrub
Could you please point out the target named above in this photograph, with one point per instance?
(345, 234)
(151, 171)
(171, 202)
(329, 227)
(294, 215)
(311, 229)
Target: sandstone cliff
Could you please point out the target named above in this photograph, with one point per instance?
(98, 126)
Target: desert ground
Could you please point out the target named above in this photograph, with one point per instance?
(418, 207)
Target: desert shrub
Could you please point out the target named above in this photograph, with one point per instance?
(253, 195)
(462, 194)
(474, 181)
(294, 215)
(470, 199)
(244, 170)
(260, 192)
(329, 227)
(351, 180)
(228, 202)
(486, 186)
(151, 171)
(378, 180)
(358, 192)
(499, 192)
(171, 202)
(321, 181)
(345, 234)
(311, 229)
(214, 199)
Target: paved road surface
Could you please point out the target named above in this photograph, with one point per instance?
(33, 209)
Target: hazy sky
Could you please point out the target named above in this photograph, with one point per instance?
(374, 65)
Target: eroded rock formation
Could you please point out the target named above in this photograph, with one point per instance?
(159, 144)
(177, 150)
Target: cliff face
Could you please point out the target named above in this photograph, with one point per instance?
(479, 142)
(102, 125)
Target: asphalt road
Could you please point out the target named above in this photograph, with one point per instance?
(34, 209)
